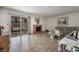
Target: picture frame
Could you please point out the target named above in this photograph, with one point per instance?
(37, 20)
(63, 21)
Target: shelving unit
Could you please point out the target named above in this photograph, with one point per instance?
(19, 25)
(15, 25)
(24, 24)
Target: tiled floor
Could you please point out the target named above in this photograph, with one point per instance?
(39, 42)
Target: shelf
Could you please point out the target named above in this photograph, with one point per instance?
(19, 25)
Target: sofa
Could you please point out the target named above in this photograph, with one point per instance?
(69, 42)
(65, 30)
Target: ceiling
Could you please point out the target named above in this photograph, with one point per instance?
(47, 10)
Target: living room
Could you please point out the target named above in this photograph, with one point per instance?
(37, 28)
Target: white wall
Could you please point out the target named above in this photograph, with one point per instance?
(0, 15)
(73, 20)
(51, 23)
(43, 22)
(47, 23)
(5, 20)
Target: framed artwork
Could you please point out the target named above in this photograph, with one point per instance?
(63, 21)
(37, 20)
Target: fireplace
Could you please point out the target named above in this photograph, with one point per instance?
(37, 28)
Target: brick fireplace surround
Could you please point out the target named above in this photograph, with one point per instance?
(37, 28)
